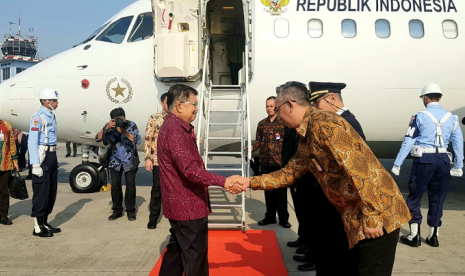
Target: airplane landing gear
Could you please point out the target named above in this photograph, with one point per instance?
(86, 177)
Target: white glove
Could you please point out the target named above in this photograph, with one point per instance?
(395, 170)
(37, 170)
(456, 172)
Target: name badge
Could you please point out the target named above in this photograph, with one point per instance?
(277, 136)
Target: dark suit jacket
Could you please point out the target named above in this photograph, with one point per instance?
(350, 118)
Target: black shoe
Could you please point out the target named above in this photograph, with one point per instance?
(300, 258)
(50, 228)
(5, 221)
(265, 222)
(115, 216)
(433, 241)
(42, 234)
(43, 231)
(67, 155)
(131, 216)
(74, 155)
(285, 225)
(296, 243)
(302, 250)
(306, 267)
(415, 242)
(152, 225)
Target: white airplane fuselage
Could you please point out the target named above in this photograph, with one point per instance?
(384, 76)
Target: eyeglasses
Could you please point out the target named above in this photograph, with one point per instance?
(276, 109)
(196, 104)
(317, 102)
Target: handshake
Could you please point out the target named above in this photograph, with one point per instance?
(236, 184)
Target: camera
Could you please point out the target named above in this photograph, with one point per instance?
(121, 123)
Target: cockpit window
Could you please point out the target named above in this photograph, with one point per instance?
(93, 34)
(143, 28)
(117, 30)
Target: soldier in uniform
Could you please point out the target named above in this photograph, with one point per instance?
(327, 96)
(426, 139)
(42, 145)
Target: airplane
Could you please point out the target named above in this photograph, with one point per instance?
(384, 50)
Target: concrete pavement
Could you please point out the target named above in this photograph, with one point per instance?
(91, 245)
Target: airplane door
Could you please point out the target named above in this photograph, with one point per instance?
(177, 40)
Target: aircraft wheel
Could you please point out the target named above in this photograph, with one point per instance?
(102, 175)
(84, 178)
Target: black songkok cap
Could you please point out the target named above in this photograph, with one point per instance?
(320, 89)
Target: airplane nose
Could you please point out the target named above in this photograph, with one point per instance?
(4, 114)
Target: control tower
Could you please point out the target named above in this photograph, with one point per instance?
(17, 53)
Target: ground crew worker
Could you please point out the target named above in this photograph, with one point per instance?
(426, 139)
(42, 149)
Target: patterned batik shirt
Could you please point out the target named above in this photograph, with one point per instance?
(125, 153)
(8, 155)
(269, 141)
(151, 136)
(349, 173)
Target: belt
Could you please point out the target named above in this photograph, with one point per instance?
(51, 148)
(433, 150)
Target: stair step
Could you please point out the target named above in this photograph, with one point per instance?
(224, 169)
(223, 87)
(226, 98)
(222, 124)
(225, 224)
(224, 153)
(226, 205)
(224, 138)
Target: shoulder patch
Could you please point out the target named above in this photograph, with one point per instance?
(412, 120)
(36, 120)
(34, 129)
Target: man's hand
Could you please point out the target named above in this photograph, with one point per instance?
(111, 124)
(395, 170)
(372, 233)
(16, 166)
(37, 170)
(456, 172)
(148, 165)
(236, 184)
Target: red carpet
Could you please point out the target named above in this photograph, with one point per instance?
(232, 253)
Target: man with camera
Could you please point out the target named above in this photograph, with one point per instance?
(123, 137)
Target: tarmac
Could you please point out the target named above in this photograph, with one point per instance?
(91, 245)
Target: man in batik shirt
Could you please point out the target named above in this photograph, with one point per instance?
(151, 163)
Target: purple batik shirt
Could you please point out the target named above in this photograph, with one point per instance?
(183, 179)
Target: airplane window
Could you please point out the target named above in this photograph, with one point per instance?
(143, 28)
(281, 28)
(383, 29)
(416, 28)
(117, 30)
(349, 28)
(449, 28)
(315, 28)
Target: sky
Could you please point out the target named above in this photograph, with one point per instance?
(58, 24)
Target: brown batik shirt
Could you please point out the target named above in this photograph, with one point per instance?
(349, 173)
(151, 136)
(269, 141)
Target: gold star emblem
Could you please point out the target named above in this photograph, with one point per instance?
(119, 91)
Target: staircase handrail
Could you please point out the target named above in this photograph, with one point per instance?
(202, 91)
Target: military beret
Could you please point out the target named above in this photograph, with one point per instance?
(320, 89)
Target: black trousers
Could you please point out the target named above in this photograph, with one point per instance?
(234, 69)
(22, 152)
(45, 187)
(68, 148)
(117, 190)
(4, 194)
(155, 195)
(430, 172)
(187, 250)
(376, 256)
(275, 200)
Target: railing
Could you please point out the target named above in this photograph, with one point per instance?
(202, 92)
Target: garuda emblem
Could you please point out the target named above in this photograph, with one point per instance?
(275, 7)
